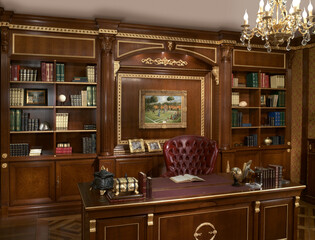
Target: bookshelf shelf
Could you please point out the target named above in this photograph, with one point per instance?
(75, 107)
(30, 132)
(75, 83)
(32, 107)
(75, 131)
(31, 82)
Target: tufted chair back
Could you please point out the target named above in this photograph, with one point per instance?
(190, 154)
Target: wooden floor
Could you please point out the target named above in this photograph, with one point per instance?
(69, 226)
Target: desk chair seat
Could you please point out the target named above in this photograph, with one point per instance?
(189, 154)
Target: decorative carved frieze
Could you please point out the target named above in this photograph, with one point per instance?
(107, 43)
(164, 61)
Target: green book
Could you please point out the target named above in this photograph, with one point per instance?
(18, 117)
(94, 96)
(57, 72)
(62, 72)
(12, 119)
(89, 95)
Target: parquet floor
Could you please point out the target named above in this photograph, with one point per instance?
(69, 227)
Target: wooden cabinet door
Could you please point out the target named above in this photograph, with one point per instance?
(32, 182)
(276, 219)
(69, 174)
(127, 228)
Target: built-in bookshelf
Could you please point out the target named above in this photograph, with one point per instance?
(53, 101)
(258, 108)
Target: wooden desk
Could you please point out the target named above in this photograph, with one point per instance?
(211, 210)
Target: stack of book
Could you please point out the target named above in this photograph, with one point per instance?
(80, 79)
(76, 100)
(20, 121)
(16, 96)
(235, 98)
(91, 95)
(277, 140)
(60, 72)
(63, 148)
(264, 80)
(252, 79)
(276, 99)
(251, 140)
(269, 177)
(89, 144)
(276, 118)
(91, 73)
(237, 118)
(47, 70)
(277, 81)
(89, 126)
(35, 151)
(23, 74)
(19, 149)
(62, 121)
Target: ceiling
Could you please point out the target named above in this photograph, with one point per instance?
(191, 14)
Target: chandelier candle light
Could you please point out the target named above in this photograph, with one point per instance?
(275, 25)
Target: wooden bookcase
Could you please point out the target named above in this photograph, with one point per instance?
(260, 118)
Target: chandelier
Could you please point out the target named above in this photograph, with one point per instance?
(275, 25)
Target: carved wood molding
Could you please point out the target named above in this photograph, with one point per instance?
(4, 39)
(107, 43)
(226, 52)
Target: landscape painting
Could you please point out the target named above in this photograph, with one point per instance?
(162, 109)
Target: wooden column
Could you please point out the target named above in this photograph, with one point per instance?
(107, 98)
(225, 95)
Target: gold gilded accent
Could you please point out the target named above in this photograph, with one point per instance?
(93, 225)
(237, 50)
(288, 150)
(56, 37)
(4, 155)
(4, 165)
(215, 72)
(212, 233)
(228, 170)
(260, 46)
(257, 206)
(162, 77)
(116, 67)
(150, 219)
(150, 46)
(170, 45)
(184, 48)
(289, 143)
(107, 31)
(297, 201)
(164, 62)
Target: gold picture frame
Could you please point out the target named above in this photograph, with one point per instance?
(136, 145)
(162, 109)
(153, 145)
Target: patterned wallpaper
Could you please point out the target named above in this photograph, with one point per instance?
(311, 103)
(296, 129)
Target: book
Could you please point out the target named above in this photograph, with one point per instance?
(186, 178)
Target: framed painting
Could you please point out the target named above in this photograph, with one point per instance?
(162, 109)
(35, 97)
(136, 145)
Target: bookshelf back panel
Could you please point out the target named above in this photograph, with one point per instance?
(74, 70)
(270, 132)
(244, 156)
(75, 140)
(45, 140)
(77, 118)
(238, 135)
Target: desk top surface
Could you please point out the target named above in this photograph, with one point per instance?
(165, 190)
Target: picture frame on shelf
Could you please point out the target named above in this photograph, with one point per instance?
(162, 109)
(136, 145)
(153, 145)
(35, 97)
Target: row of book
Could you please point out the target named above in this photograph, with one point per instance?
(251, 140)
(19, 149)
(23, 74)
(60, 72)
(89, 144)
(21, 121)
(62, 121)
(277, 140)
(63, 148)
(277, 81)
(252, 79)
(276, 118)
(269, 177)
(16, 96)
(86, 98)
(273, 100)
(235, 98)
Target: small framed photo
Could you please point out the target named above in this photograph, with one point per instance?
(153, 145)
(136, 145)
(35, 97)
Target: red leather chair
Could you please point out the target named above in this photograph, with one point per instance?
(190, 154)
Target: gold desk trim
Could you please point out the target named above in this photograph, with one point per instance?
(93, 226)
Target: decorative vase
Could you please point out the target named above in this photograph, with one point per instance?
(268, 141)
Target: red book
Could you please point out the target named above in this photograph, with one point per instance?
(43, 69)
(267, 82)
(15, 73)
